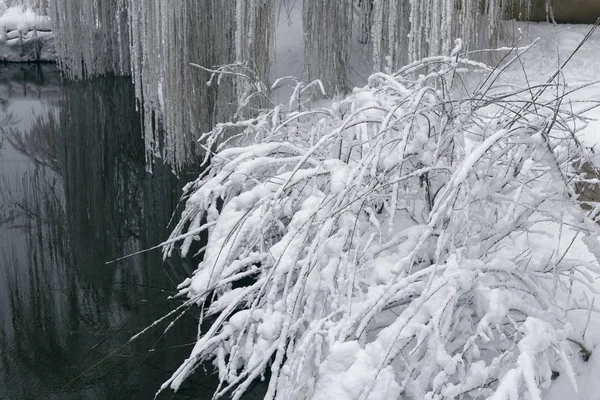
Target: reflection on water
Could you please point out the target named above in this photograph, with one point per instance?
(74, 194)
(20, 81)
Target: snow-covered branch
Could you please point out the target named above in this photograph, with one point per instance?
(392, 241)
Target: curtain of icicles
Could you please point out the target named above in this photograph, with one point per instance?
(399, 31)
(156, 40)
(91, 36)
(166, 38)
(255, 21)
(408, 30)
(177, 103)
(328, 34)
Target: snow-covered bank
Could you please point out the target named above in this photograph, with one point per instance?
(25, 36)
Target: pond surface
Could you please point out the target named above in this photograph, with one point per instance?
(74, 194)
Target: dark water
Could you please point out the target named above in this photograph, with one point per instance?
(74, 193)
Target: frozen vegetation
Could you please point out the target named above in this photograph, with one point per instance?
(420, 238)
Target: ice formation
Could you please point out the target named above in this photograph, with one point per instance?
(397, 31)
(155, 41)
(328, 31)
(166, 38)
(91, 37)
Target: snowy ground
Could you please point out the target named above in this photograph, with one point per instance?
(24, 35)
(556, 43)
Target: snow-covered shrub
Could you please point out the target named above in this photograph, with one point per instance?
(392, 241)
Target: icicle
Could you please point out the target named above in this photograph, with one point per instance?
(155, 41)
(240, 18)
(392, 29)
(176, 96)
(87, 37)
(376, 33)
(328, 30)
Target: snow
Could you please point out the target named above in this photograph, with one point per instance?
(555, 44)
(348, 370)
(25, 35)
(587, 374)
